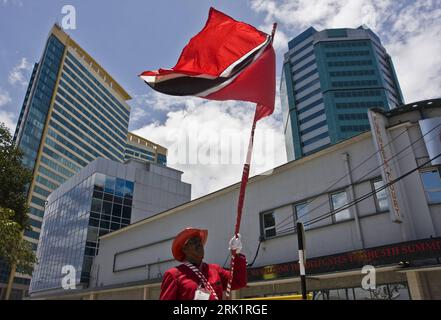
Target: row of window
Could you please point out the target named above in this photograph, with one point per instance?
(354, 83)
(306, 76)
(352, 94)
(307, 65)
(86, 124)
(312, 116)
(32, 234)
(129, 146)
(100, 111)
(346, 44)
(92, 96)
(39, 105)
(51, 164)
(125, 111)
(123, 216)
(347, 53)
(36, 212)
(353, 116)
(106, 225)
(302, 58)
(314, 127)
(349, 63)
(67, 153)
(114, 186)
(161, 159)
(86, 138)
(46, 182)
(315, 139)
(310, 106)
(306, 46)
(60, 159)
(50, 174)
(382, 292)
(41, 191)
(70, 145)
(309, 95)
(431, 180)
(360, 105)
(351, 73)
(337, 200)
(355, 128)
(307, 86)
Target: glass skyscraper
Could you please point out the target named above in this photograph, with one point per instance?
(73, 112)
(329, 80)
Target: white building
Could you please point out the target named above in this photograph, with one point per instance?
(399, 224)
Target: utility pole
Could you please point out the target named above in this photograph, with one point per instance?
(302, 257)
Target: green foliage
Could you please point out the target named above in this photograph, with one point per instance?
(14, 178)
(14, 181)
(13, 248)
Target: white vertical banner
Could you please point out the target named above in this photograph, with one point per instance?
(384, 154)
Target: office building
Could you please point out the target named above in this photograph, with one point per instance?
(102, 197)
(330, 79)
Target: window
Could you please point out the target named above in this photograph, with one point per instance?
(110, 185)
(269, 225)
(128, 193)
(432, 185)
(119, 187)
(381, 197)
(99, 181)
(339, 200)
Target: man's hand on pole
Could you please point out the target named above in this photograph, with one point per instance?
(235, 244)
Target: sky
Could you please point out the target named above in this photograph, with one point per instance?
(207, 139)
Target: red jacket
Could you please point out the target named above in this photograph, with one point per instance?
(180, 283)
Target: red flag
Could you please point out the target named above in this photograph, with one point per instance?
(227, 60)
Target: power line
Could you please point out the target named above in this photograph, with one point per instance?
(369, 194)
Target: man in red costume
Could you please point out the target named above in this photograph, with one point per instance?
(194, 279)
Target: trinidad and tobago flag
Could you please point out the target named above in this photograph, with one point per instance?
(227, 60)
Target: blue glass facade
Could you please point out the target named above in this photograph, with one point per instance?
(72, 224)
(34, 113)
(72, 114)
(330, 79)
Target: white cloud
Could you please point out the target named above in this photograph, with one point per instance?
(18, 73)
(4, 97)
(409, 30)
(8, 118)
(207, 140)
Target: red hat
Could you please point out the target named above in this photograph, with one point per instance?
(182, 238)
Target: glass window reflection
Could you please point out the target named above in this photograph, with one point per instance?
(110, 184)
